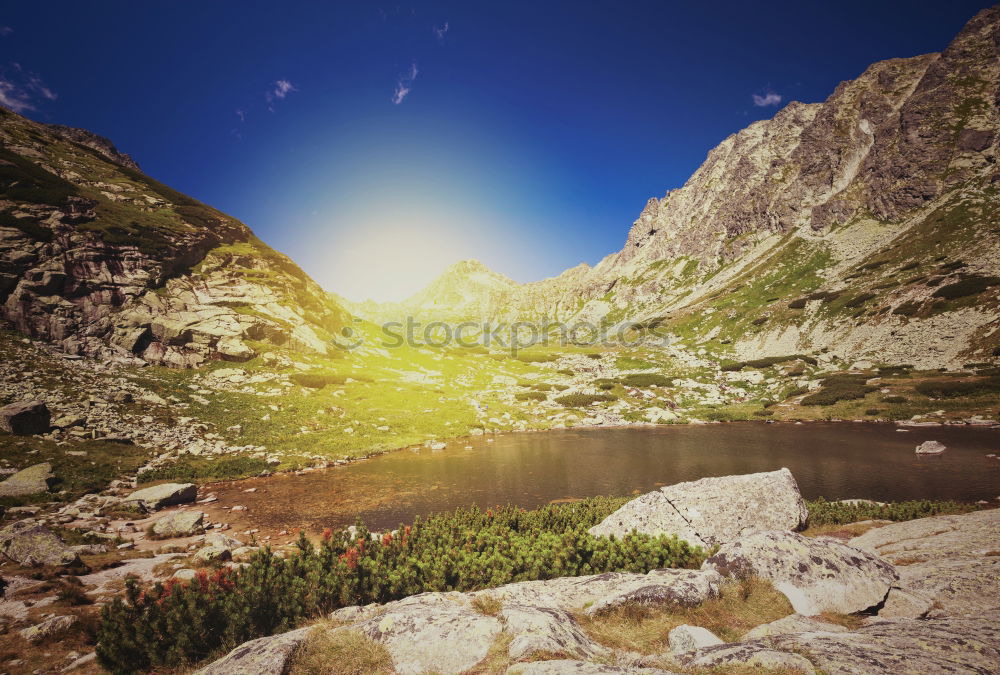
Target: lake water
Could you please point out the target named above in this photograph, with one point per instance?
(833, 460)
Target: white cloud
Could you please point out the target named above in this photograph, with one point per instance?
(404, 84)
(768, 99)
(242, 115)
(280, 90)
(20, 90)
(440, 31)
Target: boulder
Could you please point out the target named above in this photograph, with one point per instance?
(33, 545)
(947, 561)
(49, 628)
(686, 588)
(25, 419)
(30, 481)
(437, 632)
(570, 667)
(685, 638)
(167, 494)
(712, 511)
(546, 630)
(918, 646)
(816, 575)
(793, 623)
(210, 554)
(723, 657)
(930, 448)
(179, 524)
(270, 655)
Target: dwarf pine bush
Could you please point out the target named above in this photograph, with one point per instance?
(171, 624)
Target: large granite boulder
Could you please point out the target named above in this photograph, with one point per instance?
(816, 575)
(684, 588)
(264, 656)
(712, 511)
(25, 418)
(166, 494)
(50, 628)
(29, 481)
(544, 630)
(793, 623)
(439, 632)
(33, 545)
(179, 524)
(946, 562)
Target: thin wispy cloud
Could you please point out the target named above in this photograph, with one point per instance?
(441, 31)
(242, 115)
(21, 90)
(769, 99)
(280, 90)
(5, 31)
(404, 84)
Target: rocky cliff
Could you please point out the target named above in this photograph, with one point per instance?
(864, 225)
(104, 261)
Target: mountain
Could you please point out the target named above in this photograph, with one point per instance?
(865, 225)
(102, 260)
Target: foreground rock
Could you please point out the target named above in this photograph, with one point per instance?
(167, 494)
(569, 667)
(34, 546)
(264, 655)
(950, 563)
(30, 481)
(916, 646)
(816, 575)
(687, 638)
(179, 524)
(49, 628)
(25, 419)
(712, 511)
(930, 448)
(438, 632)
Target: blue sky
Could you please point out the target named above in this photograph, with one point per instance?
(376, 143)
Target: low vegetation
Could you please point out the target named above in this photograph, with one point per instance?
(583, 400)
(191, 469)
(346, 652)
(740, 606)
(171, 624)
(822, 512)
(840, 388)
(942, 388)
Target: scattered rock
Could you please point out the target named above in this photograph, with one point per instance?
(569, 667)
(685, 638)
(546, 630)
(30, 481)
(25, 419)
(712, 511)
(180, 524)
(34, 546)
(686, 588)
(167, 494)
(49, 628)
(816, 575)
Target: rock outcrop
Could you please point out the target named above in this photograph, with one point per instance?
(816, 575)
(712, 511)
(34, 546)
(104, 261)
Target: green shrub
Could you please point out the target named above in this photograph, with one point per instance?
(872, 412)
(537, 358)
(895, 371)
(194, 469)
(530, 396)
(859, 300)
(171, 625)
(822, 512)
(893, 399)
(566, 371)
(836, 388)
(647, 380)
(910, 308)
(968, 285)
(759, 322)
(316, 380)
(798, 303)
(583, 400)
(953, 389)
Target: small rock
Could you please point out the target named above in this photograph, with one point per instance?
(930, 448)
(685, 638)
(180, 524)
(167, 494)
